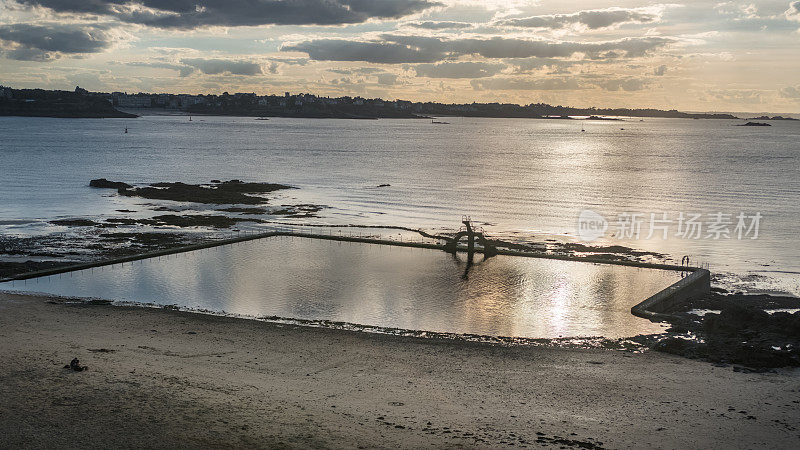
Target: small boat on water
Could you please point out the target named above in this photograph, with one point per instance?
(262, 118)
(437, 122)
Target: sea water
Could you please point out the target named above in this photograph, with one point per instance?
(525, 180)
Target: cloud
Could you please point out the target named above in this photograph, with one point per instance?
(223, 66)
(628, 84)
(387, 79)
(357, 71)
(522, 65)
(46, 42)
(793, 13)
(790, 92)
(394, 49)
(183, 70)
(291, 61)
(458, 70)
(660, 70)
(522, 84)
(275, 63)
(591, 19)
(373, 52)
(438, 25)
(737, 95)
(188, 14)
(362, 73)
(622, 84)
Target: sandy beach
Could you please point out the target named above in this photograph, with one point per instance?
(161, 378)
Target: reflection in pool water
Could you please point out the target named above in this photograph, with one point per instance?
(409, 288)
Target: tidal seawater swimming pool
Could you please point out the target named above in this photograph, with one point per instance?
(380, 286)
(525, 180)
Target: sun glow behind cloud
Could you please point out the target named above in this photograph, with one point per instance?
(699, 55)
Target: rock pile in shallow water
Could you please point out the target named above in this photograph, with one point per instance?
(224, 192)
(102, 183)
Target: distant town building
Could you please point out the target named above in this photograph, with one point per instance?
(134, 101)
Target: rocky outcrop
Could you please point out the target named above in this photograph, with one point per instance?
(224, 192)
(741, 332)
(105, 184)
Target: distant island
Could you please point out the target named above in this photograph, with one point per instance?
(754, 124)
(772, 118)
(82, 103)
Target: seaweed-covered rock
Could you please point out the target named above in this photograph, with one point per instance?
(735, 319)
(198, 220)
(741, 333)
(74, 222)
(226, 192)
(106, 184)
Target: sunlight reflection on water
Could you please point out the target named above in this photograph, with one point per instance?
(408, 288)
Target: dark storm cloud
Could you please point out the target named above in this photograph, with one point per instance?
(374, 52)
(216, 66)
(393, 49)
(187, 14)
(223, 66)
(50, 41)
(458, 70)
(593, 19)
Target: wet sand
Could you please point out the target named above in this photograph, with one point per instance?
(162, 378)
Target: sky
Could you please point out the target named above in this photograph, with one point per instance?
(688, 55)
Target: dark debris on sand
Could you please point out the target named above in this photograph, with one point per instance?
(75, 366)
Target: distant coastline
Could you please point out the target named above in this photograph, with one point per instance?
(60, 104)
(81, 103)
(772, 118)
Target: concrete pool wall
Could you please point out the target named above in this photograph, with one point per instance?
(654, 308)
